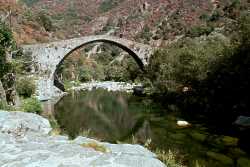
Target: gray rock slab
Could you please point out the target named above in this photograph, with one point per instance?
(15, 122)
(33, 147)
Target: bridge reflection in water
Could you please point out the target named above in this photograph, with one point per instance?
(107, 115)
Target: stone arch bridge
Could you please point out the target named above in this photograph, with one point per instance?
(48, 56)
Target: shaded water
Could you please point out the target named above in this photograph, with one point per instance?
(116, 116)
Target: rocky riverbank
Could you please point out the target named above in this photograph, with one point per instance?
(107, 85)
(25, 141)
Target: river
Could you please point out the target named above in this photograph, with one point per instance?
(121, 117)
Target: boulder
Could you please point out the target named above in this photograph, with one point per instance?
(243, 121)
(34, 147)
(198, 136)
(221, 158)
(138, 91)
(21, 123)
(243, 162)
(183, 124)
(230, 141)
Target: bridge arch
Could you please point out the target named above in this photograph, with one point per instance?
(125, 48)
(47, 57)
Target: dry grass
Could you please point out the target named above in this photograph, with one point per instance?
(96, 146)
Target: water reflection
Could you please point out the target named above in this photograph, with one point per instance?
(107, 115)
(116, 116)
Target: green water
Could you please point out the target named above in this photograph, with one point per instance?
(120, 117)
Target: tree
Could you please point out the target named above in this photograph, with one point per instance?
(6, 43)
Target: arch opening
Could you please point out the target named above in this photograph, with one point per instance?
(130, 52)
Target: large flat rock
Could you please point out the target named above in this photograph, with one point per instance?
(24, 141)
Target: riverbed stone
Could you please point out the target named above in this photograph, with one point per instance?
(243, 121)
(230, 141)
(198, 136)
(236, 152)
(33, 146)
(220, 157)
(178, 136)
(243, 162)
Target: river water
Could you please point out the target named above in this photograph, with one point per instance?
(121, 117)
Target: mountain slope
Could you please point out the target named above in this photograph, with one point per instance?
(148, 21)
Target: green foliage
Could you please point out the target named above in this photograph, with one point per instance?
(233, 9)
(6, 43)
(28, 15)
(215, 16)
(5, 106)
(107, 5)
(204, 17)
(197, 31)
(109, 26)
(21, 63)
(87, 18)
(244, 30)
(114, 73)
(125, 71)
(85, 75)
(25, 87)
(216, 70)
(184, 63)
(145, 34)
(32, 105)
(29, 2)
(46, 21)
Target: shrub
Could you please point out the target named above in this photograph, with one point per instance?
(85, 75)
(46, 21)
(169, 158)
(29, 2)
(25, 87)
(199, 31)
(145, 34)
(5, 106)
(32, 105)
(215, 16)
(107, 5)
(184, 63)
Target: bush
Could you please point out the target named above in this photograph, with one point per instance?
(25, 87)
(29, 2)
(199, 31)
(85, 75)
(169, 158)
(107, 5)
(46, 21)
(32, 105)
(145, 34)
(184, 63)
(5, 106)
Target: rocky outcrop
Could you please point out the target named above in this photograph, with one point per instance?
(24, 141)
